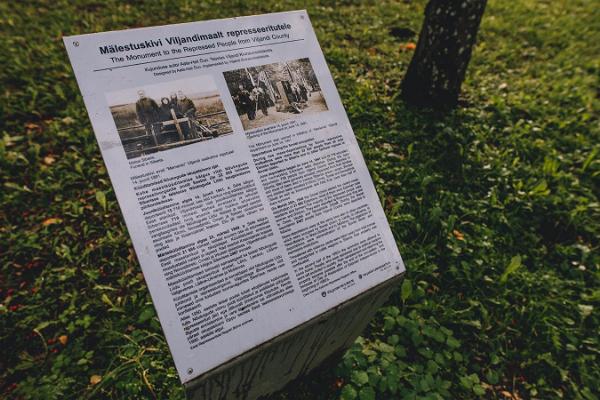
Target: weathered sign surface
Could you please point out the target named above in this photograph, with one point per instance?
(244, 190)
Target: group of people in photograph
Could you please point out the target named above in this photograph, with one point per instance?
(299, 92)
(152, 115)
(249, 100)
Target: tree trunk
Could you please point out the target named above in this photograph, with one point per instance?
(438, 67)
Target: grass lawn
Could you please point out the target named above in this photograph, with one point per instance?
(495, 208)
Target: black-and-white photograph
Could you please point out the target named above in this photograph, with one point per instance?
(270, 93)
(166, 115)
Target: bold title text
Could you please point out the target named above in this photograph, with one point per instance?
(197, 37)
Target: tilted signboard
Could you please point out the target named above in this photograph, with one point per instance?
(238, 174)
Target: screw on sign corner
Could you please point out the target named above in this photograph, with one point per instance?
(76, 44)
(190, 371)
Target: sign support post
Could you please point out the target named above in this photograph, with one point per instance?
(270, 366)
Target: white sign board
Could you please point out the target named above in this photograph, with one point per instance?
(241, 182)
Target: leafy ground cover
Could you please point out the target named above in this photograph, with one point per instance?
(494, 206)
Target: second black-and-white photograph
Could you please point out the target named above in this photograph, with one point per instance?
(166, 115)
(270, 93)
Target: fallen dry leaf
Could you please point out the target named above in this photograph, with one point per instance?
(51, 221)
(95, 379)
(458, 234)
(33, 127)
(509, 395)
(410, 46)
(395, 155)
(49, 160)
(63, 339)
